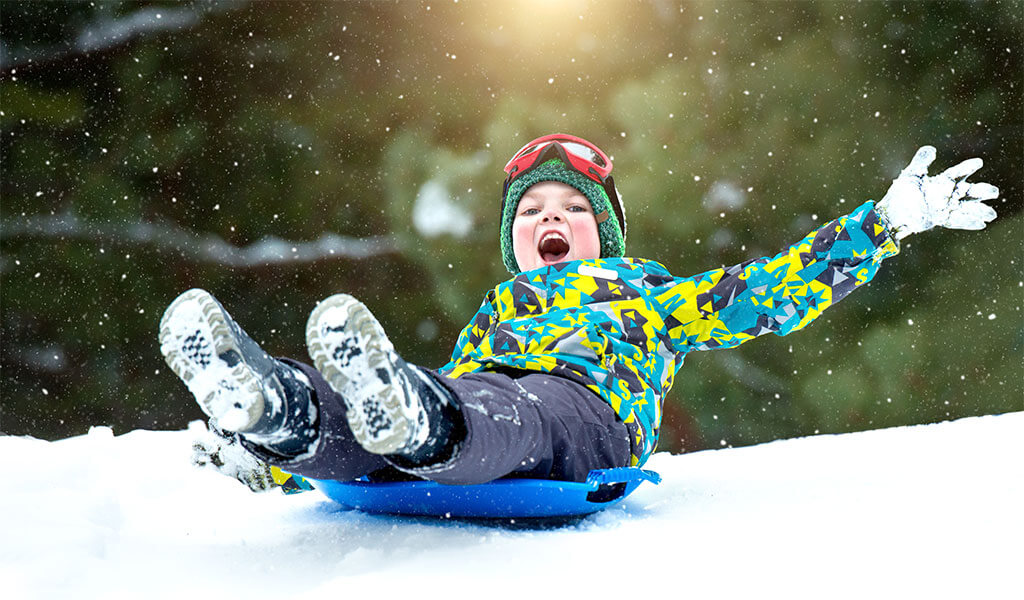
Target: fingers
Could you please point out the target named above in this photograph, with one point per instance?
(974, 191)
(970, 215)
(918, 166)
(963, 169)
(983, 191)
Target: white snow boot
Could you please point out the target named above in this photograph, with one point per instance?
(238, 385)
(392, 407)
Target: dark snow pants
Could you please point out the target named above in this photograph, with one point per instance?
(518, 424)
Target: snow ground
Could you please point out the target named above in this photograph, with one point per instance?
(928, 511)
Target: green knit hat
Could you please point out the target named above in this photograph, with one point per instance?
(608, 229)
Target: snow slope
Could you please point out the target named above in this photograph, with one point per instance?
(925, 511)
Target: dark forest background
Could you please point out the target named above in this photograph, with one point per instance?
(275, 153)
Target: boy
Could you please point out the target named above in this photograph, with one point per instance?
(564, 367)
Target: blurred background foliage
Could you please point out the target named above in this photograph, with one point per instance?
(277, 152)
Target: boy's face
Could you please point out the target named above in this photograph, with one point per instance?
(554, 223)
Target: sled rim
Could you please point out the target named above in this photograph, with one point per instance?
(503, 498)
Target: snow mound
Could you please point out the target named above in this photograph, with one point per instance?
(926, 511)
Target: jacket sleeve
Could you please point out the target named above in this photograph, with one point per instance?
(723, 308)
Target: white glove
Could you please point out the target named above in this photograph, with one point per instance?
(226, 455)
(916, 202)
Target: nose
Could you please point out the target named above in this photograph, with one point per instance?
(552, 215)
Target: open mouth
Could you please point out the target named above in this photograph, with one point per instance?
(553, 248)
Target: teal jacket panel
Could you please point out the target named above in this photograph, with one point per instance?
(623, 326)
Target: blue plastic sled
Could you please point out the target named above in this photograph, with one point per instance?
(504, 498)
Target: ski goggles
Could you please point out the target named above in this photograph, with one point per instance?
(575, 152)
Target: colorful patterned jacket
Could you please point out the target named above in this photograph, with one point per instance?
(622, 326)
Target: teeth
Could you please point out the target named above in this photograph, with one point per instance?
(553, 234)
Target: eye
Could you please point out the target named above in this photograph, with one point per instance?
(526, 212)
(578, 208)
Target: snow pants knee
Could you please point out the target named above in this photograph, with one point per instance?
(517, 424)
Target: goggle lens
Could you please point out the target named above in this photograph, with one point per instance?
(577, 148)
(584, 152)
(574, 148)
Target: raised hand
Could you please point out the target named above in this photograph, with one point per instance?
(917, 202)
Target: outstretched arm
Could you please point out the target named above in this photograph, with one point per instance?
(777, 294)
(781, 294)
(916, 202)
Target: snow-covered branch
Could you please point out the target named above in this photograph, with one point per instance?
(106, 33)
(200, 247)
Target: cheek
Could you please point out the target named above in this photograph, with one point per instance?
(586, 239)
(522, 238)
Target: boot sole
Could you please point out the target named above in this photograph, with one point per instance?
(361, 370)
(195, 338)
